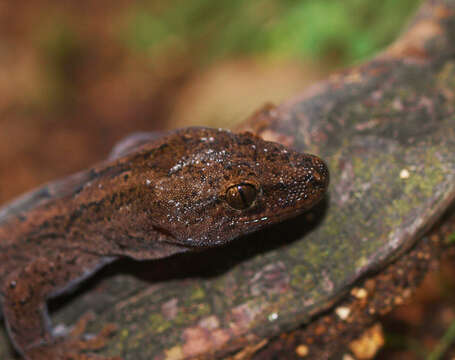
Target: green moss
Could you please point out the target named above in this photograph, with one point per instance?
(198, 294)
(158, 323)
(446, 78)
(191, 313)
(417, 187)
(302, 278)
(124, 333)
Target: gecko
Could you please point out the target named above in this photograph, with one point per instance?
(190, 189)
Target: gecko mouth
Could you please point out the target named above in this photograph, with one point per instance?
(273, 219)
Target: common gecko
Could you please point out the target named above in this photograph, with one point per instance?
(191, 189)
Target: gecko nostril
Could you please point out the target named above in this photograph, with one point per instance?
(316, 176)
(320, 171)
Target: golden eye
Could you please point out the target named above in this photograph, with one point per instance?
(241, 196)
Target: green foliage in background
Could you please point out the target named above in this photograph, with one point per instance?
(347, 29)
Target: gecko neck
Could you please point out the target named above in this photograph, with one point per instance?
(105, 216)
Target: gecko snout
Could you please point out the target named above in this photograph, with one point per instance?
(319, 173)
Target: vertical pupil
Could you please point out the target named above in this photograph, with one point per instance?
(242, 195)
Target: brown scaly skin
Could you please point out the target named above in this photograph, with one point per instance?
(191, 189)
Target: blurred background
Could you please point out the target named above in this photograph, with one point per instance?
(77, 76)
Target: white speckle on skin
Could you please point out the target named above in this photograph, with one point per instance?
(147, 182)
(175, 168)
(273, 317)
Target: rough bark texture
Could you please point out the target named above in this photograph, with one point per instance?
(387, 132)
(336, 333)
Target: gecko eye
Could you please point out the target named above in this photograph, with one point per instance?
(241, 196)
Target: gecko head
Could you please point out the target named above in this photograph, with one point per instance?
(214, 185)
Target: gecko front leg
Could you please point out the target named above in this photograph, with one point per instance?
(25, 292)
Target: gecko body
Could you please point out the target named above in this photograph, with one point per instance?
(191, 189)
